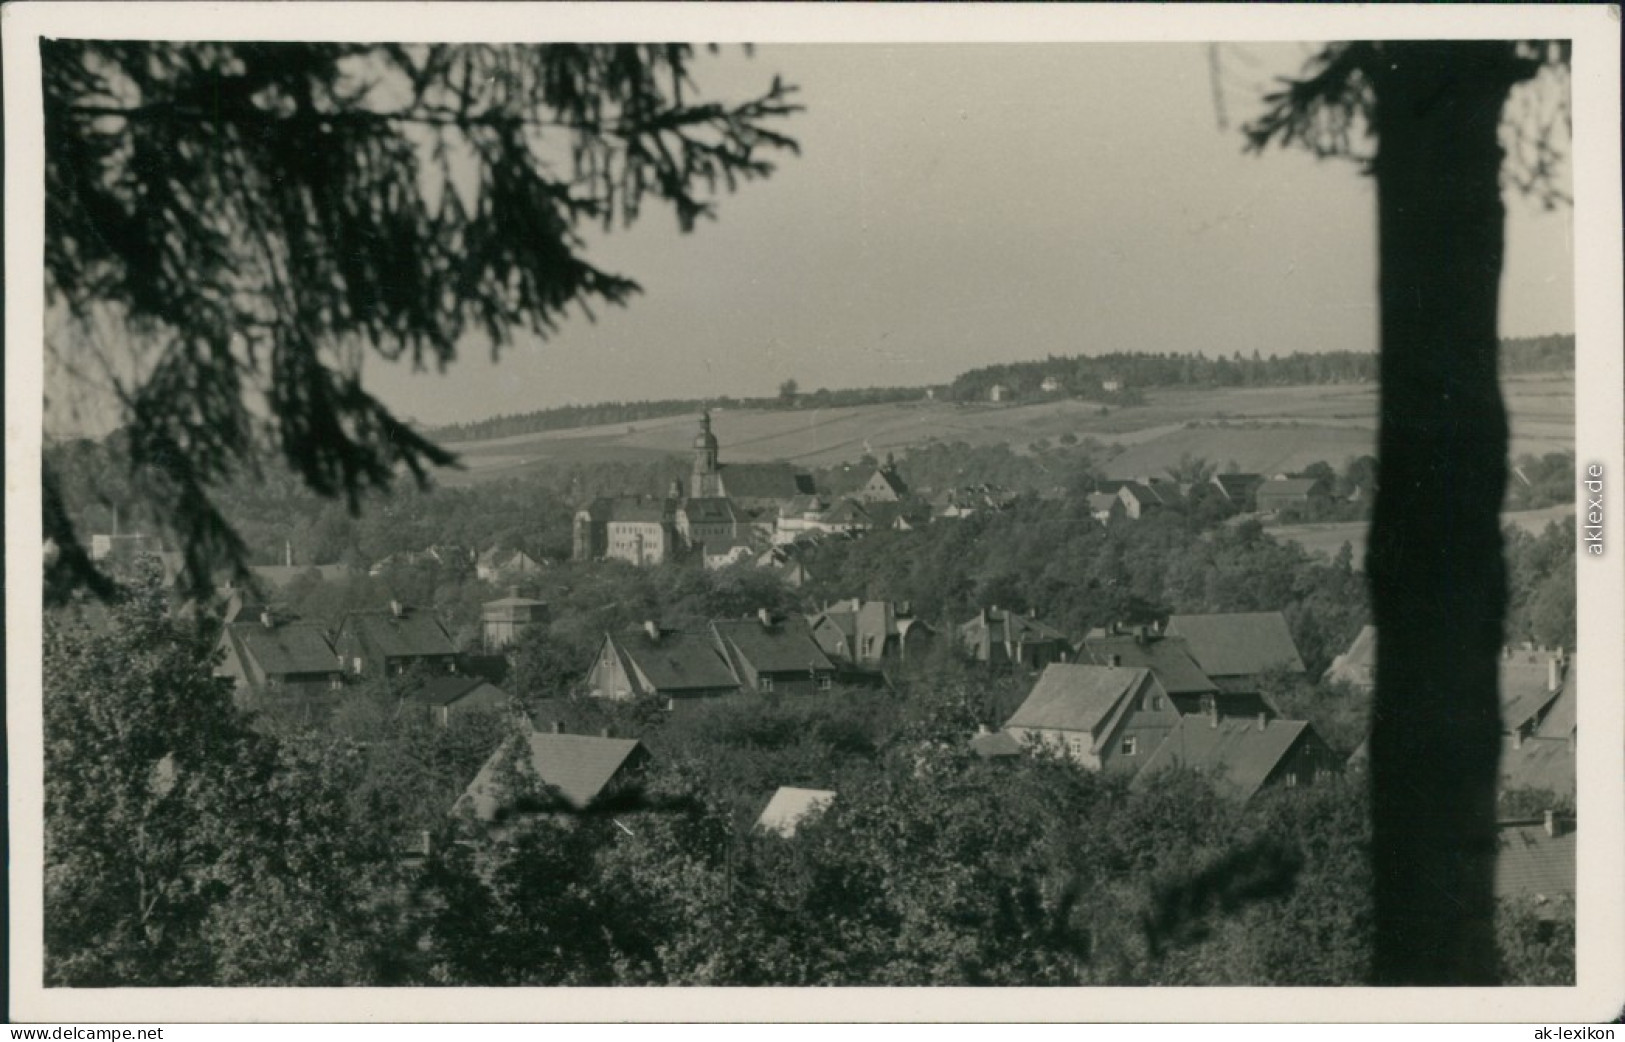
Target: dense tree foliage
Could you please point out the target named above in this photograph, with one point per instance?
(254, 218)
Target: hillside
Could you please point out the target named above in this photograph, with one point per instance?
(1259, 429)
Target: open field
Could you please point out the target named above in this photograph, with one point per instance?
(1265, 430)
(1329, 538)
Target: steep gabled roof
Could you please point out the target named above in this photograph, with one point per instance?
(1561, 717)
(1526, 690)
(1013, 627)
(412, 634)
(786, 646)
(634, 510)
(790, 807)
(711, 510)
(1238, 644)
(1070, 697)
(284, 648)
(1296, 487)
(765, 481)
(847, 512)
(1537, 763)
(1236, 752)
(1168, 658)
(887, 478)
(443, 691)
(1357, 665)
(578, 767)
(1237, 486)
(677, 661)
(1531, 864)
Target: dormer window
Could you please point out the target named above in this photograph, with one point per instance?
(1131, 744)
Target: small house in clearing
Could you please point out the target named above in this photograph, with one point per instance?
(546, 773)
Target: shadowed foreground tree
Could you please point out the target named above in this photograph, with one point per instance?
(232, 227)
(1438, 578)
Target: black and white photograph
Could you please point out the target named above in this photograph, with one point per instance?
(796, 499)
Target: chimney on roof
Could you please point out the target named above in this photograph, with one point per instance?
(558, 727)
(982, 729)
(765, 617)
(1139, 635)
(1263, 719)
(1211, 704)
(1115, 661)
(1032, 613)
(1552, 828)
(1517, 738)
(287, 547)
(1157, 627)
(652, 629)
(603, 732)
(266, 620)
(513, 591)
(396, 609)
(1554, 675)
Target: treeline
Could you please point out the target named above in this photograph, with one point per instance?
(568, 416)
(1086, 376)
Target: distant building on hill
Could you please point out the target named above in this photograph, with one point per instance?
(505, 620)
(1278, 494)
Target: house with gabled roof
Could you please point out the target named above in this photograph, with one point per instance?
(774, 655)
(885, 485)
(1237, 649)
(1100, 717)
(870, 633)
(710, 521)
(1535, 862)
(389, 643)
(506, 619)
(444, 699)
(1239, 490)
(1241, 755)
(1168, 658)
(998, 637)
(790, 808)
(551, 773)
(656, 662)
(498, 564)
(267, 652)
(1278, 494)
(1357, 667)
(1530, 681)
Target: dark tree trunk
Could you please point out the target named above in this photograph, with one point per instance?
(1438, 580)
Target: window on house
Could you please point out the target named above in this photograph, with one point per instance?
(824, 683)
(337, 682)
(1156, 701)
(355, 664)
(765, 684)
(1076, 745)
(1130, 744)
(1291, 779)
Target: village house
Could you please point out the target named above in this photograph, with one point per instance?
(1237, 650)
(1538, 743)
(1169, 660)
(1530, 681)
(1100, 717)
(655, 662)
(885, 485)
(707, 522)
(726, 554)
(870, 633)
(790, 808)
(997, 637)
(772, 655)
(501, 565)
(1243, 755)
(640, 531)
(548, 773)
(1239, 490)
(998, 393)
(1106, 507)
(1357, 667)
(1049, 385)
(1111, 385)
(1140, 498)
(505, 620)
(1535, 862)
(1278, 494)
(389, 643)
(444, 699)
(264, 653)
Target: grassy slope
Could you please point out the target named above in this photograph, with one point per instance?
(1265, 430)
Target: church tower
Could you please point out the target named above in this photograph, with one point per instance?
(706, 480)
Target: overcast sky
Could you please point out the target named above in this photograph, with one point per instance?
(958, 205)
